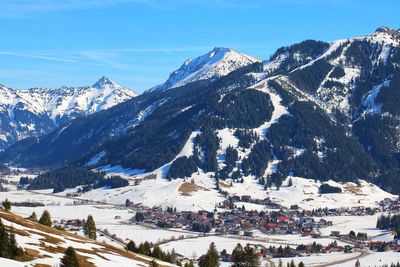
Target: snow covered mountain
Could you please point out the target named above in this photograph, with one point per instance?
(339, 67)
(37, 111)
(316, 110)
(217, 63)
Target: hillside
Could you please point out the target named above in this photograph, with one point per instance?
(315, 110)
(44, 246)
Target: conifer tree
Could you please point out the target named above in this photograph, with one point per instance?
(90, 228)
(33, 217)
(210, 259)
(157, 253)
(153, 263)
(6, 205)
(237, 256)
(189, 264)
(13, 249)
(245, 257)
(8, 244)
(45, 219)
(290, 183)
(144, 248)
(250, 256)
(131, 246)
(70, 258)
(3, 240)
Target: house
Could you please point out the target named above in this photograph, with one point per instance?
(362, 236)
(246, 198)
(227, 204)
(235, 198)
(128, 203)
(335, 233)
(283, 219)
(248, 233)
(236, 232)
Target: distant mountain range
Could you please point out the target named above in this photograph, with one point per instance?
(38, 111)
(314, 109)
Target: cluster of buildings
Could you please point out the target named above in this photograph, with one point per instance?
(234, 222)
(382, 246)
(390, 205)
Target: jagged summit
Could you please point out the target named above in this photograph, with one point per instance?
(104, 81)
(385, 35)
(386, 29)
(217, 63)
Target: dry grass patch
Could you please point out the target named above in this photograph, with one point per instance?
(51, 249)
(18, 231)
(224, 185)
(353, 189)
(84, 261)
(187, 188)
(29, 254)
(47, 238)
(42, 265)
(92, 252)
(32, 252)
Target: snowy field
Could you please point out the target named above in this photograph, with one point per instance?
(139, 233)
(161, 192)
(365, 224)
(375, 259)
(193, 248)
(320, 260)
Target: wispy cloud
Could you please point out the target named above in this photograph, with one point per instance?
(43, 57)
(111, 58)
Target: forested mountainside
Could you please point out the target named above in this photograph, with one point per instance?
(314, 109)
(38, 111)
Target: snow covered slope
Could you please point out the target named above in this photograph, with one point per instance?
(347, 63)
(37, 111)
(45, 246)
(216, 63)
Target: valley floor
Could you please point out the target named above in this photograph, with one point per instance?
(115, 219)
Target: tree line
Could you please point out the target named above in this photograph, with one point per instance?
(72, 176)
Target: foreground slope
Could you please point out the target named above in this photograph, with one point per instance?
(45, 245)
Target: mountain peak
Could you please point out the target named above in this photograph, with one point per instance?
(104, 81)
(221, 49)
(386, 35)
(385, 29)
(218, 62)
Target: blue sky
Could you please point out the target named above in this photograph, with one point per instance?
(138, 43)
